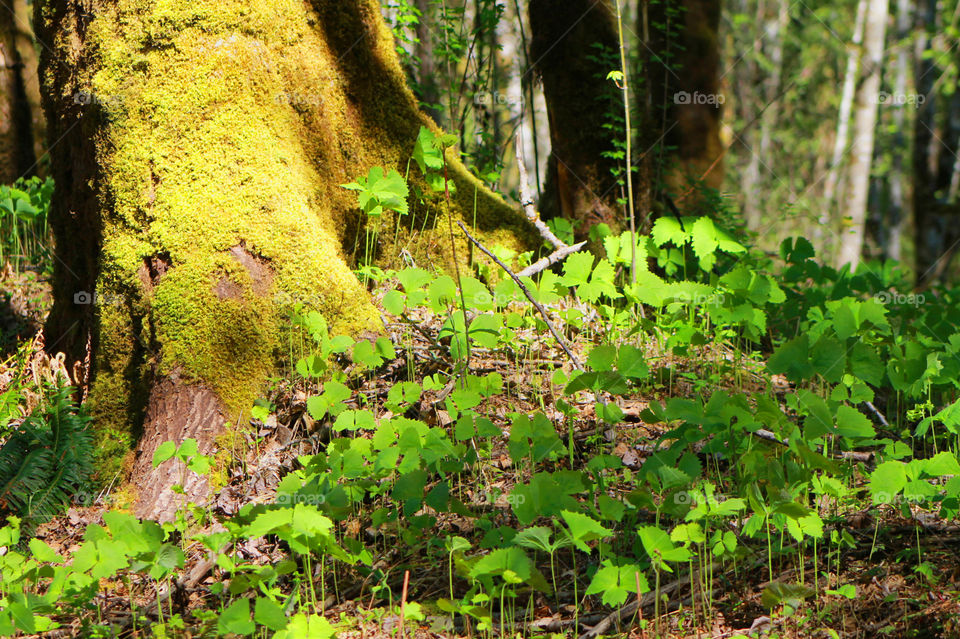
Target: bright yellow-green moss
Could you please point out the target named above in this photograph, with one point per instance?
(232, 123)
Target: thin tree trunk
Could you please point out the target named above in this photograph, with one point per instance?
(748, 76)
(427, 72)
(864, 125)
(822, 230)
(894, 222)
(931, 229)
(580, 184)
(774, 34)
(27, 50)
(17, 157)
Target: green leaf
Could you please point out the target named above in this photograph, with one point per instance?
(941, 464)
(819, 421)
(355, 420)
(42, 552)
(631, 363)
(792, 359)
(536, 538)
(395, 302)
(235, 619)
(402, 395)
(658, 545)
(852, 423)
(615, 582)
(789, 595)
(668, 229)
(705, 244)
(270, 614)
(886, 481)
(365, 353)
(829, 358)
(188, 448)
(164, 451)
(583, 529)
(504, 559)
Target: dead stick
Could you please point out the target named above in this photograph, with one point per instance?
(643, 631)
(526, 291)
(403, 601)
(545, 262)
(631, 608)
(526, 201)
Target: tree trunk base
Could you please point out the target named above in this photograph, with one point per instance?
(176, 411)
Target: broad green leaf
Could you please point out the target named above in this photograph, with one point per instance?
(886, 481)
(852, 423)
(164, 451)
(235, 619)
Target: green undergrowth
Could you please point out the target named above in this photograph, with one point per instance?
(764, 401)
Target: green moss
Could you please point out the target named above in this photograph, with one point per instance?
(226, 124)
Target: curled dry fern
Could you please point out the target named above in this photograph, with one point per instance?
(46, 461)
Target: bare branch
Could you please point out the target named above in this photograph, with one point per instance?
(548, 261)
(526, 291)
(526, 200)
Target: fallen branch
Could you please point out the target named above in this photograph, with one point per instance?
(526, 291)
(561, 249)
(526, 201)
(545, 262)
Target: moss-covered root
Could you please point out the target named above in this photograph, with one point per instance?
(203, 145)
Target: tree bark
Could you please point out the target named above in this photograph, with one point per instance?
(580, 183)
(864, 125)
(27, 50)
(684, 76)
(936, 142)
(201, 148)
(893, 233)
(774, 33)
(17, 157)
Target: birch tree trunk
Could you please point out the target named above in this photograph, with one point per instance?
(774, 34)
(864, 124)
(826, 220)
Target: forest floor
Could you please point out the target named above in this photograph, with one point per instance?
(905, 568)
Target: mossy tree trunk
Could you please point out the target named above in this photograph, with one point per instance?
(573, 47)
(201, 148)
